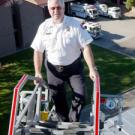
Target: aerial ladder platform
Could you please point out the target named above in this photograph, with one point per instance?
(33, 112)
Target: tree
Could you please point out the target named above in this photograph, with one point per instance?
(130, 4)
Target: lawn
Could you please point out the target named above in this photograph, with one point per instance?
(117, 74)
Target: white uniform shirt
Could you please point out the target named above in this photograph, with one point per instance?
(61, 42)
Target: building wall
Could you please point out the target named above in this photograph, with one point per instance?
(30, 16)
(7, 38)
(19, 25)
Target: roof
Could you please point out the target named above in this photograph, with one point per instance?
(92, 24)
(38, 2)
(3, 1)
(128, 127)
(42, 2)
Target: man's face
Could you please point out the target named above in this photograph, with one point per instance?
(56, 10)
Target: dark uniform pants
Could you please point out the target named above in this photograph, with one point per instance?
(57, 75)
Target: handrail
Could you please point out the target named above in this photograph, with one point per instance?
(15, 102)
(14, 122)
(17, 88)
(96, 106)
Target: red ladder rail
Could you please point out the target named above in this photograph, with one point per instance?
(15, 104)
(96, 106)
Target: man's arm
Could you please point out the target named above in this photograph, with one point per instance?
(38, 59)
(88, 56)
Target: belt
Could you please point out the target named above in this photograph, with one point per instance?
(60, 68)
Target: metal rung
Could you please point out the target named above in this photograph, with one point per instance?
(38, 131)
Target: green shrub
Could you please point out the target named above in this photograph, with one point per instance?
(129, 4)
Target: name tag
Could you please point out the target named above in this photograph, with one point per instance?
(49, 31)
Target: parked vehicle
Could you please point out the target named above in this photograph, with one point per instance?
(93, 28)
(83, 10)
(114, 12)
(111, 12)
(102, 9)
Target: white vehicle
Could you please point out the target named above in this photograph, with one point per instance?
(102, 9)
(83, 10)
(114, 12)
(93, 28)
(111, 12)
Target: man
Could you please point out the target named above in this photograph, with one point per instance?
(63, 40)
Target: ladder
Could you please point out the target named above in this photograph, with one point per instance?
(28, 117)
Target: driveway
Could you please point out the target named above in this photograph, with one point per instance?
(118, 35)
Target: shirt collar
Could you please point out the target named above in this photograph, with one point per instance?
(64, 25)
(63, 22)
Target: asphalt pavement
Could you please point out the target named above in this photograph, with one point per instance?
(118, 35)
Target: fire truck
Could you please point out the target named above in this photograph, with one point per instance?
(33, 113)
(83, 10)
(114, 12)
(93, 28)
(111, 12)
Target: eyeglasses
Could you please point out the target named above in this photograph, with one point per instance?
(57, 8)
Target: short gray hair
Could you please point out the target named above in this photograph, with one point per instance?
(61, 2)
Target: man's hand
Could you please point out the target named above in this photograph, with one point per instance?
(93, 74)
(39, 78)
